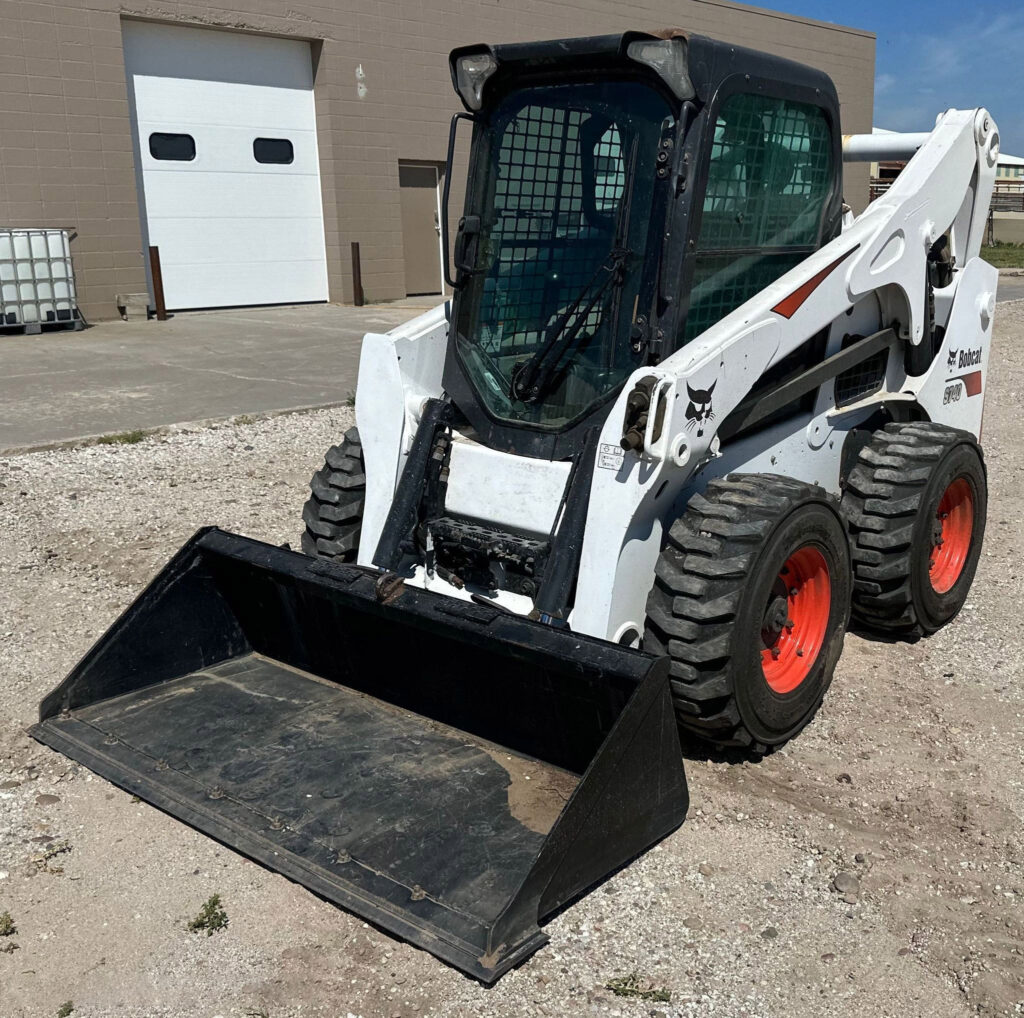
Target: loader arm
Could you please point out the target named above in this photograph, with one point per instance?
(946, 187)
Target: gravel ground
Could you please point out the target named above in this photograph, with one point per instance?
(906, 793)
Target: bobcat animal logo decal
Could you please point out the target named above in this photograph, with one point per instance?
(699, 410)
(951, 360)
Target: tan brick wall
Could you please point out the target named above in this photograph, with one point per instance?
(65, 143)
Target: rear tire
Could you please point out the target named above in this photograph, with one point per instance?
(750, 602)
(333, 514)
(913, 568)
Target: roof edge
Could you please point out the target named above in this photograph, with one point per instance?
(786, 16)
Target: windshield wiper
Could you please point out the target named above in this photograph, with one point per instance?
(531, 379)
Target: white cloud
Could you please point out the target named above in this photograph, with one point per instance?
(980, 63)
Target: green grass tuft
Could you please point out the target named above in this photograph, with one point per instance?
(65, 1009)
(122, 438)
(45, 859)
(632, 986)
(1004, 255)
(7, 927)
(212, 918)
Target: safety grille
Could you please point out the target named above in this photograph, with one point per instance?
(769, 172)
(544, 251)
(862, 379)
(721, 283)
(768, 177)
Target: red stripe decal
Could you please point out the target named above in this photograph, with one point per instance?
(789, 307)
(972, 382)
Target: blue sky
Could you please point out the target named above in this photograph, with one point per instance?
(936, 54)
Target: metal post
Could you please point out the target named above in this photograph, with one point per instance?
(358, 297)
(158, 284)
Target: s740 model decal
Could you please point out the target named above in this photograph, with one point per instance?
(971, 383)
(958, 385)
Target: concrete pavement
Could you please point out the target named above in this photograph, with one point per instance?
(1010, 287)
(120, 376)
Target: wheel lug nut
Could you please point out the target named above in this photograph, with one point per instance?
(788, 623)
(793, 592)
(775, 652)
(799, 652)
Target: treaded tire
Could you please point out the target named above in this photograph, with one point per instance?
(333, 514)
(716, 574)
(891, 499)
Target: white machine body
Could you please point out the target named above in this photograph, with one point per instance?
(872, 274)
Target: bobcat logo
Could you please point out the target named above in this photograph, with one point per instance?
(699, 410)
(951, 360)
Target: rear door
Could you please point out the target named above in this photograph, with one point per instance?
(227, 164)
(421, 231)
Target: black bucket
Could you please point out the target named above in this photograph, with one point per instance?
(446, 770)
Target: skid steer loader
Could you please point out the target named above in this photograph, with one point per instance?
(683, 414)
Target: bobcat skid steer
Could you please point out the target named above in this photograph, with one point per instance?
(683, 414)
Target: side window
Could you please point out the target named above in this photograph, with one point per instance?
(769, 177)
(273, 150)
(176, 147)
(609, 172)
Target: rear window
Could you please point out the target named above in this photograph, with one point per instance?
(273, 150)
(177, 147)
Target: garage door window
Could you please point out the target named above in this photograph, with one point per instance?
(273, 150)
(179, 148)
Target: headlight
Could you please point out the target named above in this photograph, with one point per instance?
(471, 73)
(669, 59)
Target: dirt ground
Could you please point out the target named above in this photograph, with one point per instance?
(910, 782)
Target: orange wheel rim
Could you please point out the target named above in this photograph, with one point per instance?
(796, 619)
(952, 530)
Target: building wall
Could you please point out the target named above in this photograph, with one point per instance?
(65, 142)
(1009, 173)
(1008, 227)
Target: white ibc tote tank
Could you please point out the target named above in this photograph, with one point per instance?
(37, 281)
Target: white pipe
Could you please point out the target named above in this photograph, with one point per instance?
(875, 148)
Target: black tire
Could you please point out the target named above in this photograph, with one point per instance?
(717, 575)
(891, 499)
(333, 514)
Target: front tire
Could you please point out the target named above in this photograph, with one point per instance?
(333, 513)
(916, 501)
(751, 601)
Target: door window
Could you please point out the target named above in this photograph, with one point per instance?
(273, 150)
(570, 177)
(768, 179)
(176, 147)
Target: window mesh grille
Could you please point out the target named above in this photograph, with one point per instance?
(862, 379)
(769, 176)
(550, 189)
(544, 251)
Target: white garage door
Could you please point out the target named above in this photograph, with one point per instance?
(226, 156)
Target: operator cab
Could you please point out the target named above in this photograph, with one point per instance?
(625, 193)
